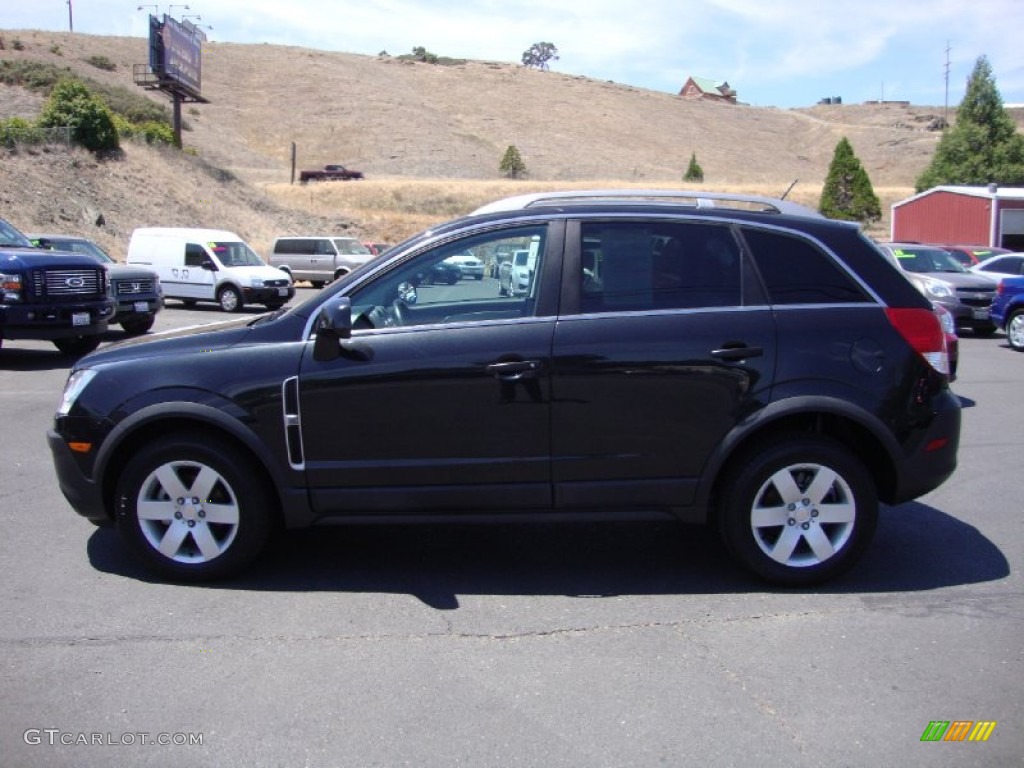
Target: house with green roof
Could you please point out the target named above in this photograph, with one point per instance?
(706, 88)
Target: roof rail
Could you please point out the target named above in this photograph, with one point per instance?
(653, 196)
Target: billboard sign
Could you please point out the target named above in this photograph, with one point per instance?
(174, 53)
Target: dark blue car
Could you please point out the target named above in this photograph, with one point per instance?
(1008, 310)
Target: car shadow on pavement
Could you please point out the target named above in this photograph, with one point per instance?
(14, 359)
(916, 548)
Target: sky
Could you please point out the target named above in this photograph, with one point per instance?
(781, 53)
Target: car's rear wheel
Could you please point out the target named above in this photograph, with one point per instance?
(798, 510)
(191, 509)
(1015, 330)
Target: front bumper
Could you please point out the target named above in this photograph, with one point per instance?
(277, 294)
(140, 307)
(84, 496)
(54, 321)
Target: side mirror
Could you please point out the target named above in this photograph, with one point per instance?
(209, 266)
(333, 324)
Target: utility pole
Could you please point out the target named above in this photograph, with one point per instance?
(71, 23)
(945, 106)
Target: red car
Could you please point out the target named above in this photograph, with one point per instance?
(969, 255)
(377, 248)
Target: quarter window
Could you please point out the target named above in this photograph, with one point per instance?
(796, 271)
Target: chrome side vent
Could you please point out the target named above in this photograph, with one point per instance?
(292, 422)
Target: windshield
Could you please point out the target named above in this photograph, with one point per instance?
(927, 260)
(86, 247)
(236, 254)
(348, 246)
(9, 236)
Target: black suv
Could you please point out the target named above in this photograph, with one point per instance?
(714, 358)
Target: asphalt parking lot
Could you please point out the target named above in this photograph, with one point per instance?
(534, 645)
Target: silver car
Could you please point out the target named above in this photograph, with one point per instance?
(943, 279)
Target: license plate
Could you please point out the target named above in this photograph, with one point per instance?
(981, 314)
(282, 291)
(142, 306)
(79, 318)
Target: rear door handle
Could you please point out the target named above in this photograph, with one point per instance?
(514, 371)
(737, 352)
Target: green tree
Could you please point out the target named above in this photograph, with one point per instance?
(18, 130)
(422, 54)
(848, 193)
(984, 145)
(512, 164)
(694, 172)
(539, 54)
(71, 104)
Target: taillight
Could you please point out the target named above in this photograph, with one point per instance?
(922, 330)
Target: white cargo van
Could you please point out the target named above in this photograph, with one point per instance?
(209, 265)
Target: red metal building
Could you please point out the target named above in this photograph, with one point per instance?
(962, 215)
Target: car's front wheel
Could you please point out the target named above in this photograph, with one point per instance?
(798, 510)
(229, 299)
(138, 325)
(1015, 330)
(77, 345)
(191, 509)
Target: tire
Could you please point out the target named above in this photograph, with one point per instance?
(1015, 330)
(139, 325)
(317, 283)
(230, 299)
(985, 330)
(77, 345)
(167, 497)
(790, 530)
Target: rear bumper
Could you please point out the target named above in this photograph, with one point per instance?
(933, 458)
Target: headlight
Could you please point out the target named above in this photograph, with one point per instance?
(77, 382)
(10, 288)
(939, 289)
(257, 282)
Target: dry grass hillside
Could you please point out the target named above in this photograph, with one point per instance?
(428, 137)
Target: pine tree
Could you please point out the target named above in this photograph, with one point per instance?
(694, 172)
(984, 145)
(848, 193)
(512, 164)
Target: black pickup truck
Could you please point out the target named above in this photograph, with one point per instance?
(330, 173)
(60, 297)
